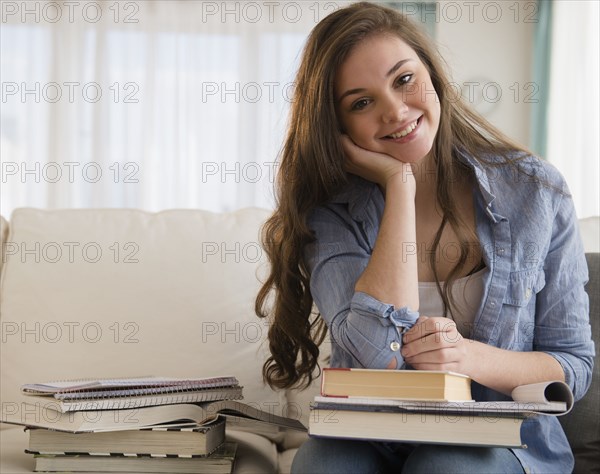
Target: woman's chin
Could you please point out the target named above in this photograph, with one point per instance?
(404, 158)
(414, 156)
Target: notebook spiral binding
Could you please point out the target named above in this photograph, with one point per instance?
(139, 387)
(141, 391)
(166, 399)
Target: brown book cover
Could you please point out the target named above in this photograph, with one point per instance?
(396, 384)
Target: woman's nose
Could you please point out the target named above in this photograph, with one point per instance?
(394, 110)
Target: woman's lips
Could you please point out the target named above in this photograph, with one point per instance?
(405, 132)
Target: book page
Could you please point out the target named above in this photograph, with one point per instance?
(43, 415)
(466, 408)
(544, 392)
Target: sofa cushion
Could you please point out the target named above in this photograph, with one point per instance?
(285, 460)
(12, 456)
(255, 454)
(582, 424)
(117, 293)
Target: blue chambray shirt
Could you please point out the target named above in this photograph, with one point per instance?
(534, 298)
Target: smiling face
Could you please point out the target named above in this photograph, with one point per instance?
(385, 99)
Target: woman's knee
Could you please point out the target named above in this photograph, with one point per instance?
(331, 456)
(431, 459)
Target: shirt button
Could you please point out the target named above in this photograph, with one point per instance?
(500, 251)
(528, 292)
(493, 304)
(395, 346)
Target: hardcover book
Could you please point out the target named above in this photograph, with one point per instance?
(174, 439)
(394, 424)
(396, 384)
(220, 462)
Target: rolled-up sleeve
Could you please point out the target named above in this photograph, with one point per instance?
(562, 307)
(365, 328)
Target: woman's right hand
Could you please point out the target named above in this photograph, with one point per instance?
(376, 167)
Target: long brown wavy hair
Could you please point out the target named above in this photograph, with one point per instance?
(312, 171)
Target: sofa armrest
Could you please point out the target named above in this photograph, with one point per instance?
(582, 424)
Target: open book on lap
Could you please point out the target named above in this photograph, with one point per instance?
(41, 416)
(483, 423)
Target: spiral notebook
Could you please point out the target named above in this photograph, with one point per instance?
(113, 394)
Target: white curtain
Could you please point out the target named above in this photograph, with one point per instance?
(183, 104)
(147, 104)
(573, 107)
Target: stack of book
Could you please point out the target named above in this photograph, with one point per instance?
(149, 424)
(178, 449)
(426, 407)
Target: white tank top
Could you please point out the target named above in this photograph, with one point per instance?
(467, 293)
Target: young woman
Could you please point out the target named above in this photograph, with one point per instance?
(425, 238)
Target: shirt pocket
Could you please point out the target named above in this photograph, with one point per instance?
(518, 314)
(523, 286)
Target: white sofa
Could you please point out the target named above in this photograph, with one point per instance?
(110, 293)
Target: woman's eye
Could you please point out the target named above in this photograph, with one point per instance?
(360, 104)
(404, 79)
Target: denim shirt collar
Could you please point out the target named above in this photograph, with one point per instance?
(485, 184)
(358, 193)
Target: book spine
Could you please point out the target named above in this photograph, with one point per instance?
(324, 379)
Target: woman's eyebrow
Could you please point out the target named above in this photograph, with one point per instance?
(394, 68)
(397, 66)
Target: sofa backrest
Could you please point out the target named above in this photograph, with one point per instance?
(589, 228)
(3, 234)
(118, 293)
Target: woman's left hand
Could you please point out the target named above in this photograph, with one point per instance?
(434, 343)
